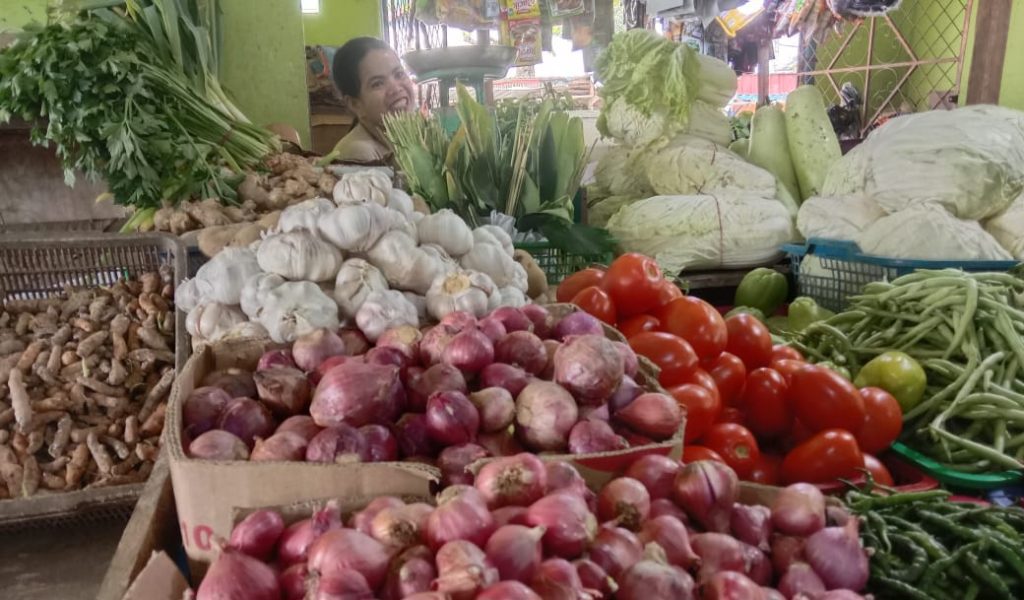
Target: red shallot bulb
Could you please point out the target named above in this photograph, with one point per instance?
(732, 585)
(284, 390)
(293, 547)
(293, 582)
(838, 558)
(383, 355)
(202, 409)
(237, 576)
(276, 358)
(460, 515)
(257, 534)
(496, 407)
(508, 590)
(218, 445)
(463, 570)
(342, 584)
(518, 480)
(434, 341)
(236, 382)
(516, 551)
(627, 391)
(413, 438)
(247, 419)
(615, 550)
(666, 507)
(411, 576)
(557, 579)
(786, 550)
(492, 328)
(509, 515)
(313, 348)
(283, 445)
(405, 339)
(358, 394)
(578, 323)
(653, 414)
(459, 320)
(752, 524)
(381, 445)
(670, 533)
(630, 362)
(799, 509)
(317, 374)
(540, 317)
(500, 375)
(800, 578)
(469, 351)
(438, 378)
(362, 521)
(347, 549)
(400, 527)
(570, 526)
(590, 367)
(512, 318)
(300, 424)
(653, 578)
(500, 443)
(545, 414)
(706, 490)
(720, 552)
(451, 418)
(593, 577)
(552, 347)
(595, 436)
(522, 349)
(340, 443)
(625, 501)
(563, 476)
(355, 342)
(454, 460)
(657, 473)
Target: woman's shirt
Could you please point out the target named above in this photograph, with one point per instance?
(361, 146)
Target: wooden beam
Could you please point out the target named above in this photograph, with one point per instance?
(992, 28)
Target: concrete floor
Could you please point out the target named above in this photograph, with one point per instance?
(67, 562)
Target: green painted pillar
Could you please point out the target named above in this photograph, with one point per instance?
(15, 14)
(263, 64)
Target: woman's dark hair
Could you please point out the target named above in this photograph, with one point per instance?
(345, 68)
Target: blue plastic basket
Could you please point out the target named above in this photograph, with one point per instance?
(845, 269)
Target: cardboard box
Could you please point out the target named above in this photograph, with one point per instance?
(208, 492)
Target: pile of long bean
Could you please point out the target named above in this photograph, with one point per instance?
(928, 548)
(967, 331)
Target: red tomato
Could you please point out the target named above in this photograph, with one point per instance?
(883, 420)
(736, 445)
(697, 322)
(671, 353)
(703, 379)
(577, 282)
(878, 471)
(799, 433)
(695, 453)
(731, 414)
(750, 340)
(667, 292)
(702, 408)
(596, 301)
(766, 403)
(730, 376)
(829, 455)
(824, 399)
(783, 352)
(786, 367)
(634, 283)
(638, 324)
(768, 470)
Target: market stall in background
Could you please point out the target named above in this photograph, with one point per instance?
(681, 326)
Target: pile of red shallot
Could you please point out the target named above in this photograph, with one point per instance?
(528, 529)
(448, 395)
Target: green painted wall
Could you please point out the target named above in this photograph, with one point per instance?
(263, 62)
(340, 21)
(15, 14)
(1012, 91)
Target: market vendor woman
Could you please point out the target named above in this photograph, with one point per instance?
(373, 82)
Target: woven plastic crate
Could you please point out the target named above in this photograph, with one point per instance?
(39, 266)
(558, 264)
(842, 270)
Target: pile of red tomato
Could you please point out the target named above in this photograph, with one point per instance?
(758, 407)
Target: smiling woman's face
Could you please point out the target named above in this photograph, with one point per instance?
(384, 87)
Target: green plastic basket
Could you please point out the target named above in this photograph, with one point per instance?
(957, 479)
(558, 264)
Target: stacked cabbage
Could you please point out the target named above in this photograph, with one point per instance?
(670, 188)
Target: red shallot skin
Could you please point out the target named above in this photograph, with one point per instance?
(508, 590)
(362, 521)
(615, 550)
(800, 578)
(496, 406)
(671, 534)
(313, 348)
(203, 407)
(404, 338)
(522, 349)
(339, 550)
(557, 579)
(218, 445)
(412, 576)
(624, 500)
(516, 551)
(514, 319)
(455, 460)
(595, 436)
(342, 584)
(358, 394)
(590, 367)
(293, 582)
(838, 558)
(540, 317)
(509, 515)
(577, 324)
(570, 524)
(707, 490)
(463, 570)
(719, 552)
(469, 351)
(799, 509)
(300, 424)
(772, 594)
(284, 445)
(438, 378)
(293, 547)
(355, 342)
(381, 445)
(511, 378)
(236, 382)
(731, 585)
(627, 391)
(630, 362)
(752, 524)
(413, 438)
(452, 419)
(492, 328)
(401, 527)
(649, 579)
(460, 517)
(500, 443)
(652, 414)
(276, 358)
(656, 472)
(545, 414)
(340, 443)
(247, 419)
(666, 507)
(785, 550)
(518, 480)
(237, 576)
(257, 534)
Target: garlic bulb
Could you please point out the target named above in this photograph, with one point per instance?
(420, 302)
(222, 277)
(188, 294)
(357, 227)
(499, 266)
(254, 290)
(492, 234)
(384, 310)
(356, 280)
(212, 320)
(304, 215)
(299, 256)
(404, 265)
(362, 186)
(448, 264)
(400, 201)
(248, 329)
(296, 308)
(446, 229)
(512, 296)
(468, 291)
